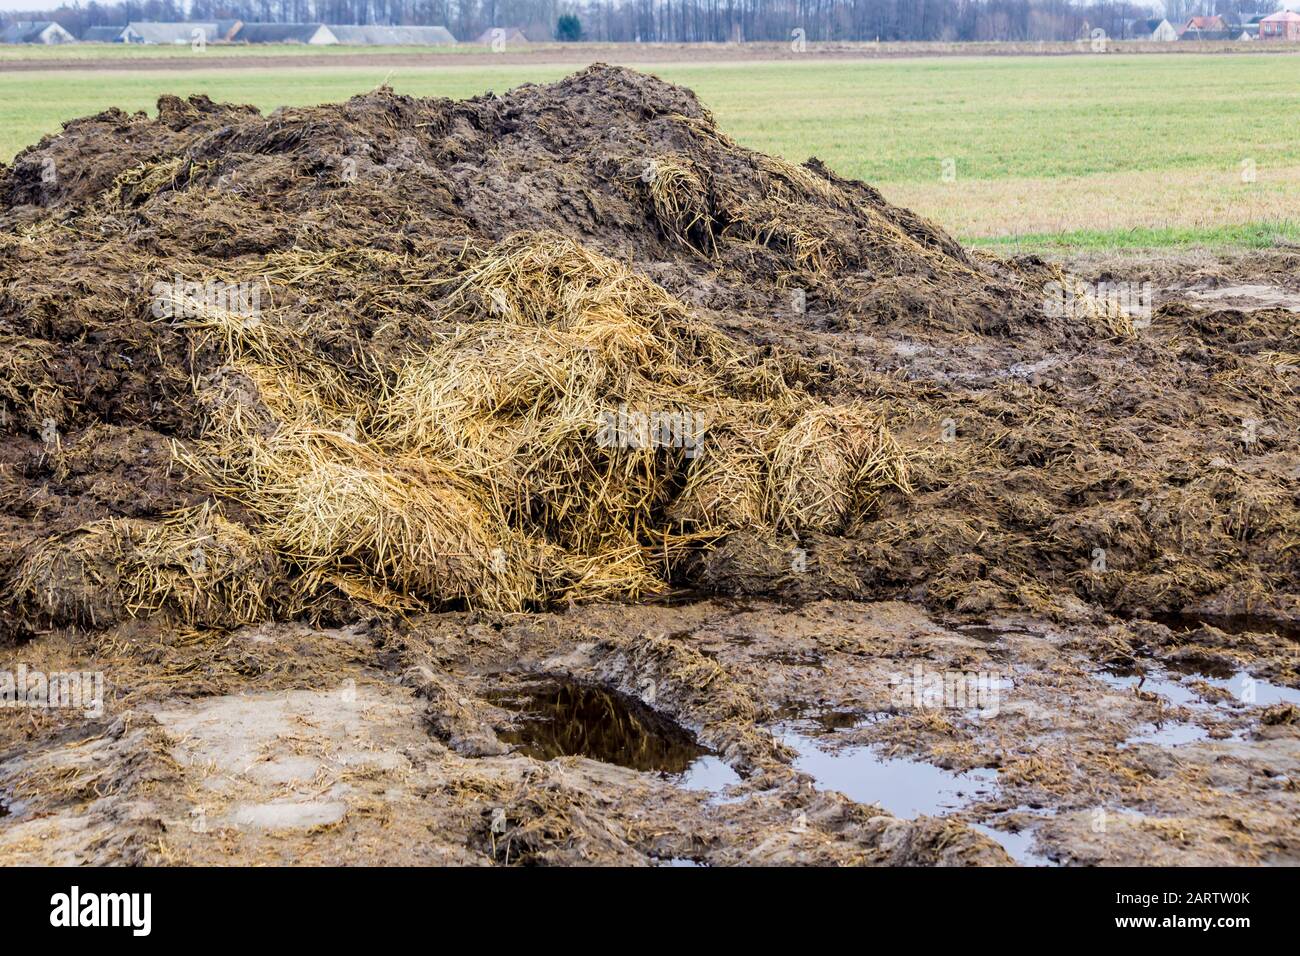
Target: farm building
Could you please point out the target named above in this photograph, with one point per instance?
(178, 32)
(510, 35)
(36, 31)
(373, 35)
(1283, 25)
(103, 34)
(1205, 28)
(310, 34)
(1157, 30)
(1161, 31)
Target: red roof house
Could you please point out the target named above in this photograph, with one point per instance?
(1204, 28)
(1284, 25)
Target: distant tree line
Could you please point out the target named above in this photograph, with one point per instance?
(677, 21)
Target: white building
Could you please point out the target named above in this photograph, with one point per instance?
(1158, 31)
(1163, 32)
(36, 31)
(374, 35)
(311, 34)
(171, 33)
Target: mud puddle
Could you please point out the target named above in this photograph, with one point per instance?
(559, 717)
(1186, 623)
(1250, 690)
(1238, 689)
(1152, 682)
(1239, 685)
(1170, 733)
(991, 636)
(833, 720)
(905, 788)
(981, 632)
(1019, 845)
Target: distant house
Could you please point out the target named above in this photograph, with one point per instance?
(1162, 31)
(374, 35)
(36, 31)
(511, 36)
(1205, 28)
(1157, 30)
(178, 33)
(103, 35)
(309, 34)
(1284, 25)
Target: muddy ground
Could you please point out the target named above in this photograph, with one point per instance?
(690, 730)
(407, 748)
(1069, 637)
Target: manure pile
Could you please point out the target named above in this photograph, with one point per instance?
(571, 342)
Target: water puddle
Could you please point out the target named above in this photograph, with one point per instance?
(558, 717)
(1251, 691)
(1246, 690)
(1197, 665)
(1170, 733)
(906, 788)
(1165, 733)
(1019, 845)
(709, 773)
(833, 720)
(1154, 683)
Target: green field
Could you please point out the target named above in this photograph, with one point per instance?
(1074, 150)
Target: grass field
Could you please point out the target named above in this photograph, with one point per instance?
(1090, 151)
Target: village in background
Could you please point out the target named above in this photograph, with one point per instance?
(495, 24)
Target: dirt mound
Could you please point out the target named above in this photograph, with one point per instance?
(574, 342)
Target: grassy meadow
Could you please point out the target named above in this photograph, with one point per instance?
(1084, 151)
